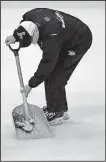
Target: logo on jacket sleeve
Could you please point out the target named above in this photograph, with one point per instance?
(47, 18)
(71, 53)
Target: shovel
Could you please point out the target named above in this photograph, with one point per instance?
(29, 120)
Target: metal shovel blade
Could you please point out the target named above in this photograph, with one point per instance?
(41, 128)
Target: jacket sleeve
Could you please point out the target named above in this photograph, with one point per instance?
(49, 59)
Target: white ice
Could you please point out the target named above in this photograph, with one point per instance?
(82, 137)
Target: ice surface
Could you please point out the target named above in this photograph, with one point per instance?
(82, 137)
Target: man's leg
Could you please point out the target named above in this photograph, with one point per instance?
(55, 83)
(55, 90)
(56, 96)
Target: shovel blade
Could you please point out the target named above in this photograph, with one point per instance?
(41, 128)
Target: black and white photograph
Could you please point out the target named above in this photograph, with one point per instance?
(52, 80)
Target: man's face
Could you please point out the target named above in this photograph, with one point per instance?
(25, 38)
(20, 35)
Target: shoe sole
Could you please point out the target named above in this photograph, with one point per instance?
(56, 121)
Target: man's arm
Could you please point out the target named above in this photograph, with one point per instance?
(51, 51)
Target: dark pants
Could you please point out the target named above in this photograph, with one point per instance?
(57, 80)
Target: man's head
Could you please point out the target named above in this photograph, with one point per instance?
(27, 33)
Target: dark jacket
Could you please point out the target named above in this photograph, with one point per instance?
(56, 29)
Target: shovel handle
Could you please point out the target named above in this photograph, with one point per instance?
(15, 51)
(22, 86)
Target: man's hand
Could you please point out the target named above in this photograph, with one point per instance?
(10, 40)
(26, 90)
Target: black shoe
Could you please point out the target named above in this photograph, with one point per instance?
(54, 118)
(65, 114)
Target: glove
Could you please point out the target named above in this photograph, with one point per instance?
(10, 40)
(26, 90)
